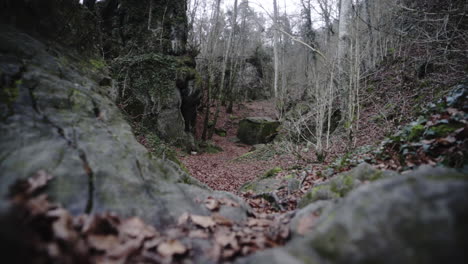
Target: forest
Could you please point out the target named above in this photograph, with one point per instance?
(234, 131)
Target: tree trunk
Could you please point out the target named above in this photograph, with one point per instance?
(275, 48)
(343, 52)
(223, 71)
(211, 48)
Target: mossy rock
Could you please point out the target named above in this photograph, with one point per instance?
(343, 184)
(320, 192)
(221, 132)
(257, 130)
(340, 185)
(272, 172)
(442, 130)
(98, 64)
(210, 147)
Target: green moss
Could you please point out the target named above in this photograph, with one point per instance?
(443, 130)
(272, 172)
(247, 186)
(98, 64)
(172, 155)
(9, 94)
(220, 132)
(63, 61)
(245, 156)
(289, 176)
(321, 192)
(416, 132)
(342, 184)
(376, 176)
(210, 147)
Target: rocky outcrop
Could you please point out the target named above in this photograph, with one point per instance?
(56, 117)
(251, 81)
(156, 77)
(257, 130)
(418, 217)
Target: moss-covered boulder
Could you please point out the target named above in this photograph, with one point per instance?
(257, 130)
(343, 183)
(419, 217)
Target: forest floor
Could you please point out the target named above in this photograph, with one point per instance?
(99, 238)
(225, 171)
(221, 171)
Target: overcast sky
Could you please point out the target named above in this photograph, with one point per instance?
(292, 6)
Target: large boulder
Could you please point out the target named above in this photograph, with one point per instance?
(257, 130)
(340, 185)
(54, 116)
(419, 217)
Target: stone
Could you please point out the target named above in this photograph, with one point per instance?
(257, 130)
(340, 185)
(293, 185)
(221, 132)
(60, 121)
(265, 185)
(419, 217)
(314, 211)
(157, 82)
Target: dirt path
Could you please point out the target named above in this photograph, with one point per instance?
(220, 171)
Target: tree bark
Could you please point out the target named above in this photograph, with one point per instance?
(275, 48)
(223, 71)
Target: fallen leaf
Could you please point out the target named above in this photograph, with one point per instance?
(63, 226)
(229, 253)
(228, 202)
(135, 227)
(226, 239)
(39, 205)
(127, 248)
(203, 221)
(152, 243)
(221, 220)
(212, 204)
(171, 248)
(447, 141)
(198, 234)
(259, 222)
(39, 180)
(183, 218)
(103, 242)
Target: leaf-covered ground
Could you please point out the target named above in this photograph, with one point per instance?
(50, 234)
(221, 171)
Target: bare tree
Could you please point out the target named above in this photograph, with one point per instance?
(227, 53)
(275, 48)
